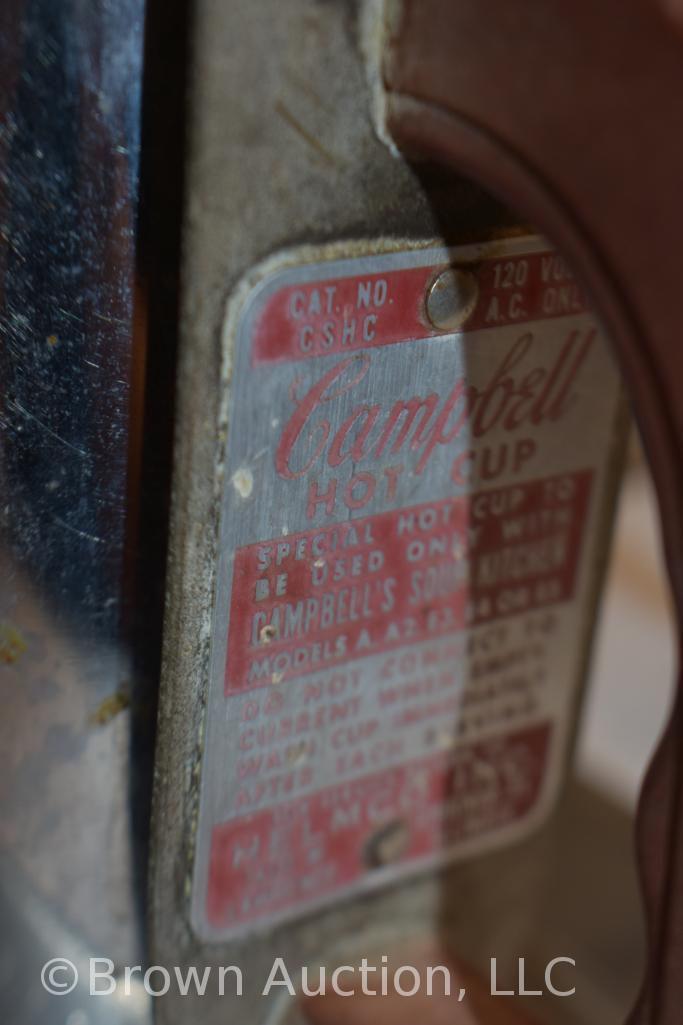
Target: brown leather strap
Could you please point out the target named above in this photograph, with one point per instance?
(572, 112)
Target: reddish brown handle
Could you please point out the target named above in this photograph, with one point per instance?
(571, 111)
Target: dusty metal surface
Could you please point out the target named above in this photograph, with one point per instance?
(283, 151)
(69, 154)
(264, 81)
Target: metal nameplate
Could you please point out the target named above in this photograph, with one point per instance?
(419, 469)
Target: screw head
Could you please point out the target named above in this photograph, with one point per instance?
(451, 299)
(387, 844)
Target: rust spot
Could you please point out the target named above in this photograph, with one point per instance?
(12, 644)
(110, 708)
(52, 340)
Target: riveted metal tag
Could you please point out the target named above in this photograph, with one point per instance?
(419, 471)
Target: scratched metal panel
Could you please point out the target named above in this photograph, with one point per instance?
(69, 154)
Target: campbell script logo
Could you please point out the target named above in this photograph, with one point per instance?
(521, 394)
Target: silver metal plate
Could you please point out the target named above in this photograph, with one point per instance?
(415, 486)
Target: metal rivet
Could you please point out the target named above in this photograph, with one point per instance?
(387, 844)
(451, 299)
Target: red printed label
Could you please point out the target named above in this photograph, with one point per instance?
(313, 600)
(290, 855)
(410, 521)
(368, 310)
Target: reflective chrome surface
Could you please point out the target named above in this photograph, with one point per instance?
(70, 74)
